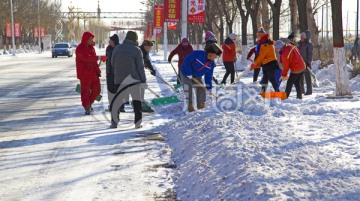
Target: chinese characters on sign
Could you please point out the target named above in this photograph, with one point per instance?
(17, 29)
(42, 32)
(8, 30)
(172, 10)
(158, 17)
(196, 11)
(36, 32)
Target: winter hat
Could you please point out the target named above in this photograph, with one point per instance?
(214, 48)
(279, 44)
(261, 33)
(291, 36)
(209, 35)
(303, 35)
(232, 36)
(115, 39)
(131, 35)
(147, 43)
(184, 40)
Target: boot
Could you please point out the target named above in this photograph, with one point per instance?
(190, 108)
(200, 106)
(88, 110)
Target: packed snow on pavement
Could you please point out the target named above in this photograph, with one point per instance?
(240, 148)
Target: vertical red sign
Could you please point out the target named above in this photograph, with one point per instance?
(42, 32)
(158, 17)
(36, 32)
(171, 26)
(172, 10)
(17, 29)
(196, 11)
(8, 30)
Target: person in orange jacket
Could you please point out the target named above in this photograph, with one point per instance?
(229, 57)
(267, 59)
(88, 71)
(291, 60)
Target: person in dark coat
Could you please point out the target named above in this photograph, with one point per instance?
(111, 86)
(182, 50)
(145, 49)
(229, 57)
(88, 71)
(127, 61)
(306, 50)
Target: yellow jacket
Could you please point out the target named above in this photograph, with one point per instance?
(266, 53)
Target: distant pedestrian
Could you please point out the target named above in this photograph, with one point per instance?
(197, 64)
(88, 71)
(182, 50)
(291, 60)
(267, 59)
(229, 57)
(127, 61)
(42, 46)
(306, 48)
(111, 86)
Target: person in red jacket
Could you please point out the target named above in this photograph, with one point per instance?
(291, 59)
(88, 71)
(229, 57)
(182, 50)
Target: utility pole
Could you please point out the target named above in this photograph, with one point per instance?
(12, 28)
(357, 19)
(347, 24)
(184, 9)
(39, 26)
(322, 23)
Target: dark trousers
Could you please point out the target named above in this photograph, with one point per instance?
(137, 94)
(188, 90)
(230, 70)
(307, 76)
(294, 79)
(256, 74)
(269, 75)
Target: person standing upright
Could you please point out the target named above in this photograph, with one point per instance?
(306, 50)
(145, 49)
(229, 57)
(182, 50)
(111, 86)
(88, 71)
(127, 61)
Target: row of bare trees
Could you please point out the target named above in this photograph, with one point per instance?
(26, 13)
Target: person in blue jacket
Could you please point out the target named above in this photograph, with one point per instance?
(197, 64)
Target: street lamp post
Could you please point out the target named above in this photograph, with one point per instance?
(357, 19)
(39, 36)
(12, 28)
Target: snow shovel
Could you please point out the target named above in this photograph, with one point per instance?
(177, 75)
(165, 82)
(237, 79)
(316, 82)
(159, 101)
(206, 89)
(272, 94)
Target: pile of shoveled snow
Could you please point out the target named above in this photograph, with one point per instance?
(293, 150)
(327, 77)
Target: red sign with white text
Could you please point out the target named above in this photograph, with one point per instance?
(17, 29)
(172, 10)
(196, 11)
(8, 30)
(36, 32)
(171, 25)
(158, 17)
(42, 32)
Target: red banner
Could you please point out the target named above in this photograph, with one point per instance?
(42, 32)
(158, 17)
(8, 30)
(196, 11)
(36, 32)
(150, 29)
(17, 29)
(171, 26)
(172, 10)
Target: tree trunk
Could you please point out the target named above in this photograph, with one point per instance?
(265, 15)
(294, 16)
(275, 8)
(244, 21)
(252, 7)
(302, 4)
(314, 30)
(342, 77)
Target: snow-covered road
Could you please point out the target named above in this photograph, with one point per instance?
(49, 150)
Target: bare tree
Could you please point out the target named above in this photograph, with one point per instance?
(252, 7)
(265, 15)
(342, 77)
(294, 16)
(303, 23)
(275, 8)
(244, 20)
(230, 12)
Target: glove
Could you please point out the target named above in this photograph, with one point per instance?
(190, 77)
(283, 78)
(103, 58)
(153, 72)
(252, 67)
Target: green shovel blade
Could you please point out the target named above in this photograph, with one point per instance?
(165, 100)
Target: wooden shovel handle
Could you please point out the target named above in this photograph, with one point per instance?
(200, 84)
